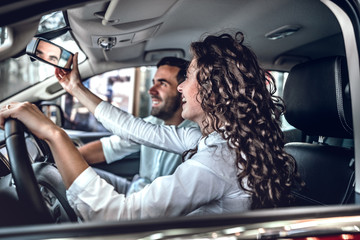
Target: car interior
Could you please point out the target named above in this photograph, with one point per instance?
(310, 44)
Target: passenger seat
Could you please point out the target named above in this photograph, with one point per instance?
(317, 99)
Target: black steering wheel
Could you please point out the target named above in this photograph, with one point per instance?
(44, 195)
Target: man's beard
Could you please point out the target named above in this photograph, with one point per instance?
(167, 111)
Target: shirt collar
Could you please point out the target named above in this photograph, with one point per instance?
(211, 139)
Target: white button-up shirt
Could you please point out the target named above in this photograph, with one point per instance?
(205, 184)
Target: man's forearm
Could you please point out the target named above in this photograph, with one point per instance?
(93, 152)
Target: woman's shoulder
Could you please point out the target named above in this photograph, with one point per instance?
(217, 156)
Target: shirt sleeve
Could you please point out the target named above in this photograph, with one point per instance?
(128, 127)
(115, 148)
(192, 185)
(92, 198)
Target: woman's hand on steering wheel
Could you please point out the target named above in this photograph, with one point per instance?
(31, 116)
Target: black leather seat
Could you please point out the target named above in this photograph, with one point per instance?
(317, 101)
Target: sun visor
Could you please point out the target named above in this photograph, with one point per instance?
(125, 11)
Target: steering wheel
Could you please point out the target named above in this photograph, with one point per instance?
(46, 203)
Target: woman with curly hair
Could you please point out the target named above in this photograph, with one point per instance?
(237, 97)
(234, 163)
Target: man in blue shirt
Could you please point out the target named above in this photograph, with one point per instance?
(166, 109)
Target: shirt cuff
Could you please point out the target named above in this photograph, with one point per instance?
(107, 150)
(81, 182)
(99, 108)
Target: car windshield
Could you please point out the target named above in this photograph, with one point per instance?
(51, 22)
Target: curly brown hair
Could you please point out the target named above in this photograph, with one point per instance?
(237, 96)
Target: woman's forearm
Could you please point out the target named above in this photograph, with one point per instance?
(86, 97)
(71, 82)
(67, 158)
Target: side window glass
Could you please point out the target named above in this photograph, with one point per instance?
(4, 38)
(124, 88)
(280, 79)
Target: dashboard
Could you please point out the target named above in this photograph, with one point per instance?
(34, 151)
(4, 161)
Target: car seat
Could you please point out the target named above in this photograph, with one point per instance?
(317, 99)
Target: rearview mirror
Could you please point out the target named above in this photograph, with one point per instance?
(48, 52)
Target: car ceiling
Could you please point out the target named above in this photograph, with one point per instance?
(146, 30)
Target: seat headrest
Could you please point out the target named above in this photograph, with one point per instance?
(317, 98)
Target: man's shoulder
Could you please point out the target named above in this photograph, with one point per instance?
(154, 120)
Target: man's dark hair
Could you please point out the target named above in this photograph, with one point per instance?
(175, 62)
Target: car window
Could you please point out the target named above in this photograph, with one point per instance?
(117, 87)
(3, 36)
(280, 79)
(51, 22)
